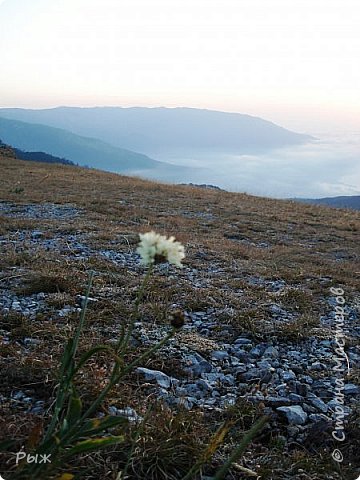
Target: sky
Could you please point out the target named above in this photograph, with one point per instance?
(293, 62)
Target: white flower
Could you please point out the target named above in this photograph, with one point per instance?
(156, 248)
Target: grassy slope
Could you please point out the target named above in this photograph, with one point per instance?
(218, 229)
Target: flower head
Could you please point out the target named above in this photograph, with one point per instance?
(156, 248)
(177, 319)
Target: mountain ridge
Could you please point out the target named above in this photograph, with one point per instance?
(152, 129)
(86, 151)
(341, 201)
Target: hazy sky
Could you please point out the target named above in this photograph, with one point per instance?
(295, 62)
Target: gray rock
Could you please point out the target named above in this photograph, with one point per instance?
(234, 361)
(203, 384)
(295, 354)
(294, 414)
(333, 404)
(32, 341)
(229, 379)
(240, 369)
(257, 397)
(65, 311)
(243, 341)
(309, 408)
(252, 374)
(257, 351)
(317, 403)
(81, 299)
(317, 366)
(290, 375)
(294, 397)
(323, 388)
(276, 309)
(351, 389)
(319, 417)
(277, 401)
(181, 391)
(187, 402)
(308, 380)
(264, 364)
(18, 395)
(197, 365)
(193, 390)
(216, 378)
(242, 355)
(127, 412)
(271, 352)
(228, 400)
(219, 355)
(161, 378)
(130, 414)
(37, 410)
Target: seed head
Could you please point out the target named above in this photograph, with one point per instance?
(156, 248)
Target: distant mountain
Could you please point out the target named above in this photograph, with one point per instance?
(152, 130)
(33, 156)
(82, 150)
(351, 201)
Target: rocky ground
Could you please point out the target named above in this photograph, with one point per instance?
(276, 355)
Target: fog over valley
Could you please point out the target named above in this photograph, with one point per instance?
(328, 166)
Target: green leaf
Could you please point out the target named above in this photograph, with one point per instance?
(97, 425)
(67, 357)
(64, 427)
(94, 444)
(216, 441)
(239, 450)
(75, 408)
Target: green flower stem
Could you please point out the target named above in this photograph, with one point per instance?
(83, 312)
(149, 352)
(124, 340)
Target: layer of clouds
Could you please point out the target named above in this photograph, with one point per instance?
(328, 167)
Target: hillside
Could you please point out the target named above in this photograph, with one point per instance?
(153, 130)
(82, 150)
(259, 336)
(348, 201)
(8, 150)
